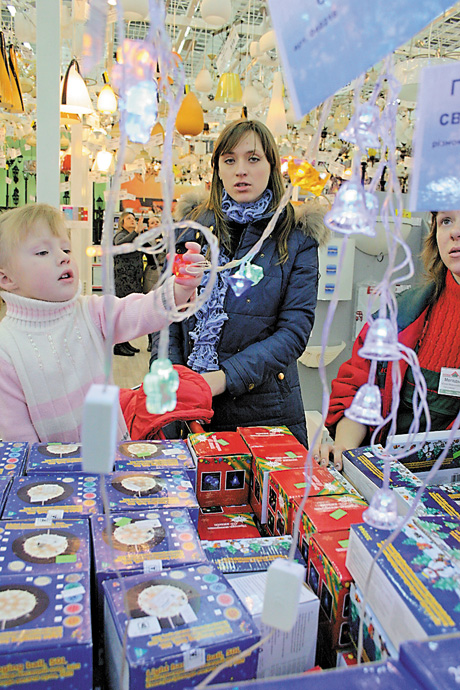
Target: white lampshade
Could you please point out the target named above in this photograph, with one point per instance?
(103, 161)
(107, 101)
(135, 10)
(74, 93)
(251, 97)
(254, 49)
(276, 117)
(216, 12)
(267, 41)
(203, 81)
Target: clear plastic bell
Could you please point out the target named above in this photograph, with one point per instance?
(382, 512)
(366, 406)
(381, 342)
(363, 128)
(354, 210)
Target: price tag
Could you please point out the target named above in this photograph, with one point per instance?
(153, 566)
(147, 625)
(194, 658)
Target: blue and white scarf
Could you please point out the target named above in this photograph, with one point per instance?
(211, 317)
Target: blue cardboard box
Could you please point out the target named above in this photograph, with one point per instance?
(54, 457)
(434, 662)
(142, 542)
(13, 455)
(155, 489)
(182, 624)
(42, 549)
(53, 496)
(376, 644)
(242, 556)
(444, 531)
(45, 632)
(155, 455)
(5, 485)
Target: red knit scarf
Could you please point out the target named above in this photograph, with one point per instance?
(440, 346)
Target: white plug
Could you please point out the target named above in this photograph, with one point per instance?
(99, 429)
(285, 579)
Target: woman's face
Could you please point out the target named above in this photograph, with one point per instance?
(153, 222)
(129, 222)
(448, 239)
(245, 171)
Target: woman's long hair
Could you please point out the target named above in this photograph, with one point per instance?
(227, 141)
(435, 268)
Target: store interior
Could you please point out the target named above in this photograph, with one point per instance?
(67, 149)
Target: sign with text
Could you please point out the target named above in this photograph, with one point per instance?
(325, 44)
(435, 181)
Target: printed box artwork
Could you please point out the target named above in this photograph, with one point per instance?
(145, 490)
(262, 467)
(5, 485)
(259, 436)
(54, 457)
(53, 496)
(161, 454)
(26, 547)
(12, 458)
(435, 662)
(249, 555)
(420, 462)
(284, 652)
(228, 522)
(415, 588)
(376, 644)
(182, 624)
(328, 514)
(223, 467)
(46, 631)
(444, 531)
(289, 487)
(330, 580)
(433, 501)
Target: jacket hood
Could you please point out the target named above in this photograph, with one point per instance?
(309, 214)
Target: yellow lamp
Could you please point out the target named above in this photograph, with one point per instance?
(229, 90)
(190, 118)
(106, 101)
(157, 134)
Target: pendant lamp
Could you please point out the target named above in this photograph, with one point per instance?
(276, 117)
(157, 135)
(190, 118)
(103, 161)
(251, 97)
(203, 81)
(229, 91)
(216, 12)
(106, 101)
(74, 93)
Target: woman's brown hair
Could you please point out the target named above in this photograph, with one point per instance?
(227, 141)
(435, 268)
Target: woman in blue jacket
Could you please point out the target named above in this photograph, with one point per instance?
(247, 347)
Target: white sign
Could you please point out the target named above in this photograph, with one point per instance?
(228, 50)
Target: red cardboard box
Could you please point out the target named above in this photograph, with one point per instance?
(287, 487)
(230, 522)
(330, 579)
(223, 468)
(260, 436)
(263, 464)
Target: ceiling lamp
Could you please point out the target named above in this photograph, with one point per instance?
(107, 101)
(251, 97)
(74, 93)
(103, 161)
(190, 118)
(157, 135)
(254, 49)
(203, 81)
(276, 117)
(267, 41)
(216, 12)
(229, 91)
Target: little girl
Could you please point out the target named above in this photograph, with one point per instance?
(52, 336)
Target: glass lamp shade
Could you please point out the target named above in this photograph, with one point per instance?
(203, 81)
(276, 116)
(381, 342)
(103, 161)
(229, 91)
(251, 97)
(216, 12)
(107, 101)
(366, 405)
(74, 93)
(382, 512)
(190, 118)
(354, 210)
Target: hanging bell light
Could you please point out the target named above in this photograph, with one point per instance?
(383, 510)
(74, 93)
(216, 12)
(381, 342)
(107, 101)
(276, 116)
(366, 405)
(190, 118)
(229, 91)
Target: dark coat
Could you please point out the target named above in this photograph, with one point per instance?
(412, 310)
(268, 328)
(128, 268)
